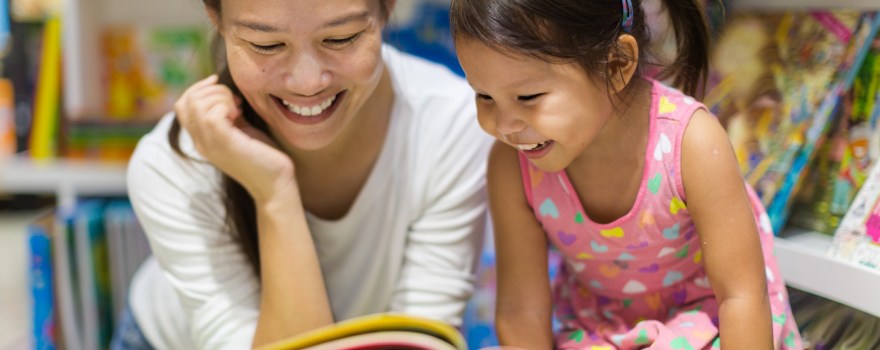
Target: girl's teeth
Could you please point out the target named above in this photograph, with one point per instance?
(532, 146)
(528, 147)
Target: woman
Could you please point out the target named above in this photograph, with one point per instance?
(322, 176)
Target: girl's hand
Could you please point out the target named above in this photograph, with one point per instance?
(212, 116)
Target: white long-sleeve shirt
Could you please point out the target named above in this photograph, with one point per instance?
(408, 244)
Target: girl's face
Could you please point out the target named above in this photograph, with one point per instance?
(307, 67)
(551, 112)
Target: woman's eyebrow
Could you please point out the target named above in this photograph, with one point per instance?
(353, 17)
(260, 27)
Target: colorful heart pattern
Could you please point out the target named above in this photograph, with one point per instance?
(663, 147)
(548, 208)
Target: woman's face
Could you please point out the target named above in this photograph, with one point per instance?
(307, 67)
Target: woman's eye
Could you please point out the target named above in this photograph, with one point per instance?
(337, 43)
(527, 98)
(484, 97)
(266, 48)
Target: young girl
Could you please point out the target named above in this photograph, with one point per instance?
(323, 175)
(634, 182)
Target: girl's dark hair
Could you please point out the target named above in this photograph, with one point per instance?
(241, 212)
(585, 32)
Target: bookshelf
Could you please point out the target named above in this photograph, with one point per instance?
(67, 179)
(790, 4)
(804, 263)
(801, 253)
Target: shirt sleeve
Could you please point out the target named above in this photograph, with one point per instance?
(178, 203)
(443, 243)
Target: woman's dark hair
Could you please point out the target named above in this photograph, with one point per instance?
(585, 32)
(241, 212)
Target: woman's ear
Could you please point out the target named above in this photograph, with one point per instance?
(214, 17)
(623, 62)
(389, 9)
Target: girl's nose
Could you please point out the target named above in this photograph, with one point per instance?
(307, 75)
(509, 123)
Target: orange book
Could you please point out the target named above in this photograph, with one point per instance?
(7, 119)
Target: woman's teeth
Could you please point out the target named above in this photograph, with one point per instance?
(309, 111)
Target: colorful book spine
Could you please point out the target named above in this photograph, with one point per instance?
(46, 119)
(42, 287)
(5, 33)
(94, 276)
(7, 118)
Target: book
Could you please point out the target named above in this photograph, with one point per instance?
(47, 111)
(147, 68)
(7, 119)
(64, 264)
(41, 278)
(94, 279)
(378, 331)
(128, 248)
(842, 163)
(857, 238)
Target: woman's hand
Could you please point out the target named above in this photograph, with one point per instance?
(212, 116)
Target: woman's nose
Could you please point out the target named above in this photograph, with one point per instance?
(307, 75)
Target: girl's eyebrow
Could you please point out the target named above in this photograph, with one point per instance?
(262, 27)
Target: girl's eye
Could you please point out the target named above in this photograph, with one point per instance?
(266, 49)
(339, 43)
(484, 97)
(527, 98)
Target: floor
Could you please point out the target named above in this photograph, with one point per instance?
(15, 301)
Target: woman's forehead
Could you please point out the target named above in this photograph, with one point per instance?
(286, 15)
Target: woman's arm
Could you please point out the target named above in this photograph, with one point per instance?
(181, 211)
(293, 296)
(523, 307)
(722, 213)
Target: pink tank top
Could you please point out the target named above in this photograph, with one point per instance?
(654, 245)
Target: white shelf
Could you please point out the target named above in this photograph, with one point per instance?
(64, 178)
(804, 264)
(816, 4)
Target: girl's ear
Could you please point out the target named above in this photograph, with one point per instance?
(623, 61)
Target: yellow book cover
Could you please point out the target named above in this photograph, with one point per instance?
(379, 331)
(44, 129)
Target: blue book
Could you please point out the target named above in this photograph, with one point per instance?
(41, 283)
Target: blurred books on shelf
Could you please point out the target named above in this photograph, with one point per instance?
(104, 140)
(146, 69)
(776, 83)
(857, 238)
(826, 324)
(842, 164)
(81, 263)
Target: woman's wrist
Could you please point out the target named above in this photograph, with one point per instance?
(284, 200)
